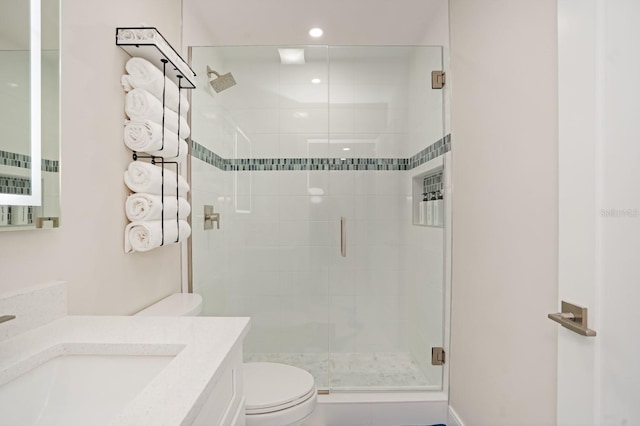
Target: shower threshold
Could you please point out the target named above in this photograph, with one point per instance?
(356, 371)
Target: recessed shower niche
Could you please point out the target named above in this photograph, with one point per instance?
(286, 153)
(428, 198)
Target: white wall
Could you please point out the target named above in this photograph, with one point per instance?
(87, 251)
(504, 132)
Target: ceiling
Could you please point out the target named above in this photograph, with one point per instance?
(276, 22)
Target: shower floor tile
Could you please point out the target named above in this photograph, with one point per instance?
(353, 370)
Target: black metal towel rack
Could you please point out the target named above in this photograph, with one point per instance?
(157, 51)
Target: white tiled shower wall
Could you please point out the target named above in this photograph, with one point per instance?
(277, 255)
(380, 105)
(424, 263)
(285, 244)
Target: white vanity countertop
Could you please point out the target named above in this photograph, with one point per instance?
(176, 394)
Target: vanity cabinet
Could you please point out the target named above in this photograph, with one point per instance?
(224, 405)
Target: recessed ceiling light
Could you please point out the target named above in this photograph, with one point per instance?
(316, 32)
(346, 149)
(291, 56)
(316, 81)
(299, 114)
(12, 84)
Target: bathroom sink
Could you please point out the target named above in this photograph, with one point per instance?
(77, 389)
(115, 370)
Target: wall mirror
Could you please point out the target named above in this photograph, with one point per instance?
(29, 114)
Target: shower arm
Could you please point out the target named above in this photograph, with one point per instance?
(210, 71)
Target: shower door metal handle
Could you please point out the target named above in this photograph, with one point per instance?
(343, 236)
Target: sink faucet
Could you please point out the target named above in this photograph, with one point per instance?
(5, 318)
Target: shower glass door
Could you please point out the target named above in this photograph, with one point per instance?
(254, 146)
(386, 293)
(317, 160)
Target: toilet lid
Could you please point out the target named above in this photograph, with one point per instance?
(271, 387)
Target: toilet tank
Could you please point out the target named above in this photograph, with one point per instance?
(175, 305)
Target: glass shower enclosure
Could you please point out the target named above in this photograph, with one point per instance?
(317, 160)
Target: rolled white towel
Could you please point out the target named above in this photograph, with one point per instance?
(171, 152)
(145, 177)
(146, 136)
(143, 206)
(147, 235)
(144, 75)
(138, 34)
(141, 105)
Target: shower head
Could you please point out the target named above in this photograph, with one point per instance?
(221, 82)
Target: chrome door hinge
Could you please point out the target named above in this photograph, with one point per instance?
(438, 79)
(437, 356)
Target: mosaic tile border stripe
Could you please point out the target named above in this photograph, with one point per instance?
(14, 159)
(23, 161)
(200, 152)
(294, 164)
(50, 165)
(15, 185)
(434, 150)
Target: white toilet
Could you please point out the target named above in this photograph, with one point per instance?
(275, 394)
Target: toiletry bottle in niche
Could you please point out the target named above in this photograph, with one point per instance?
(422, 210)
(430, 201)
(438, 209)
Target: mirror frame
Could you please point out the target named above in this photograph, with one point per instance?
(35, 198)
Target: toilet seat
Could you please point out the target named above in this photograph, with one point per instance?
(272, 388)
(275, 408)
